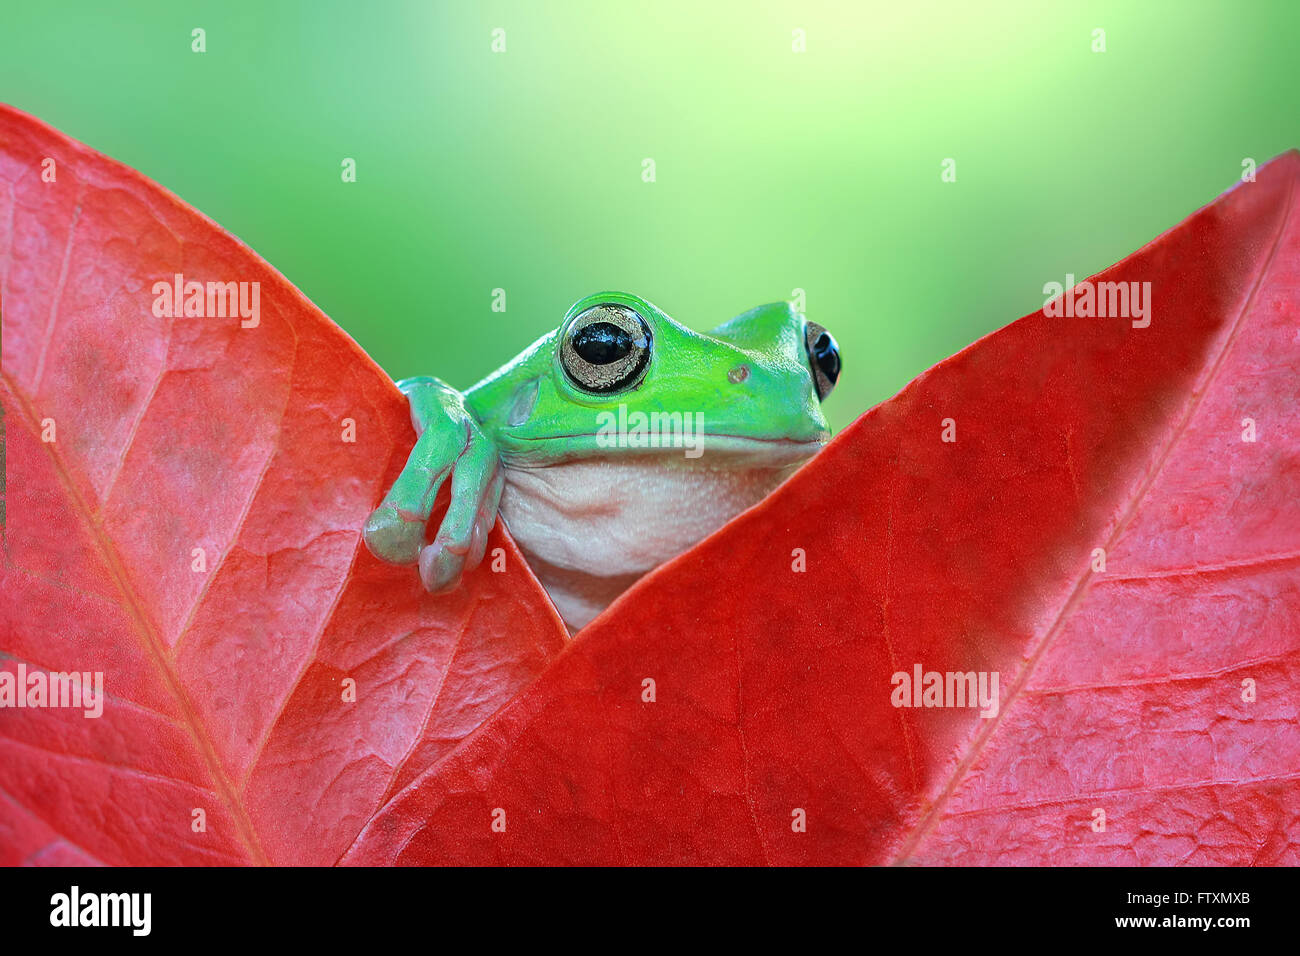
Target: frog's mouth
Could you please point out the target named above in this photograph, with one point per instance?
(702, 449)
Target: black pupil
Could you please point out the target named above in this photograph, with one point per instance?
(601, 343)
(828, 357)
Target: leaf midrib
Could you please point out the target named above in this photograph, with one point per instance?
(148, 635)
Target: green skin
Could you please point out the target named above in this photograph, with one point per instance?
(750, 381)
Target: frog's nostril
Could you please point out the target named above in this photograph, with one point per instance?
(738, 374)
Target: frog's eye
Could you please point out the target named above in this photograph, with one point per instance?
(605, 348)
(823, 358)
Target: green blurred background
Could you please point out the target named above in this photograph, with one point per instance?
(775, 170)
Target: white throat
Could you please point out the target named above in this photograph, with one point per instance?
(590, 528)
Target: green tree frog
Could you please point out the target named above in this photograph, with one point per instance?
(609, 446)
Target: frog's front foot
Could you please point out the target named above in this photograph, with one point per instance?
(450, 443)
(462, 537)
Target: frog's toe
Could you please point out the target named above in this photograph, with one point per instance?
(393, 535)
(478, 541)
(441, 566)
(443, 563)
(486, 518)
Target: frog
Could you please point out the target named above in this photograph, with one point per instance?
(611, 445)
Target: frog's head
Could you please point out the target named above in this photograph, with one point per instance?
(619, 376)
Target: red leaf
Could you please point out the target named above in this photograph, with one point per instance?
(223, 684)
(1122, 689)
